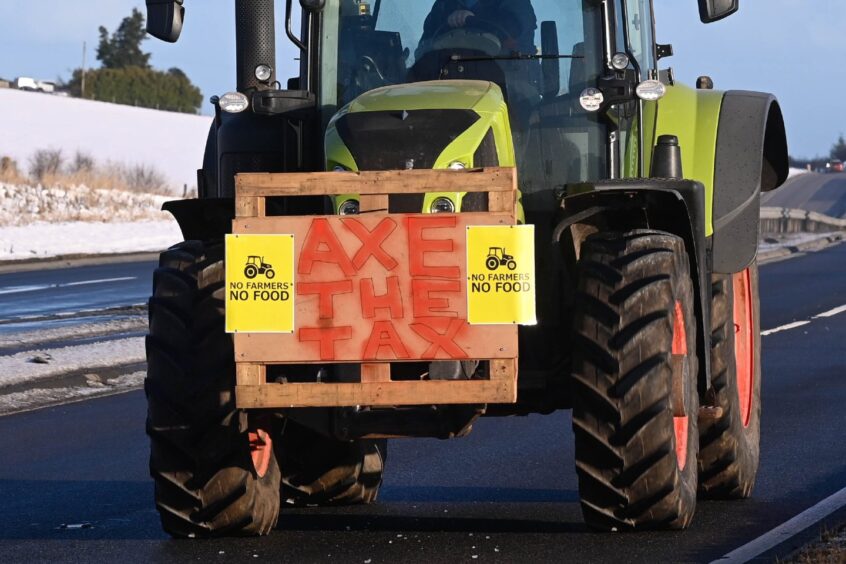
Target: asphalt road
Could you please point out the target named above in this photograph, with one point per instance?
(821, 193)
(74, 485)
(51, 292)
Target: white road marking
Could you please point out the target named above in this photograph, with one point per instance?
(21, 289)
(786, 530)
(100, 281)
(24, 289)
(831, 312)
(795, 324)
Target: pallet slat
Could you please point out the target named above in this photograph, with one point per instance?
(445, 392)
(374, 182)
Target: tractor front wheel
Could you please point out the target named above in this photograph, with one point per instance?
(634, 382)
(730, 434)
(213, 464)
(323, 471)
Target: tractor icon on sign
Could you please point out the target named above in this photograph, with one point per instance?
(256, 265)
(497, 257)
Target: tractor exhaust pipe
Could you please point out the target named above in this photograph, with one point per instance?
(255, 43)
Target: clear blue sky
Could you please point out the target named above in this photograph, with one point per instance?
(793, 48)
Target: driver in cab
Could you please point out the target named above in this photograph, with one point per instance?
(516, 18)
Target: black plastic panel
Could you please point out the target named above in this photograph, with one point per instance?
(750, 141)
(389, 140)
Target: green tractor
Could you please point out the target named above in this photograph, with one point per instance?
(644, 197)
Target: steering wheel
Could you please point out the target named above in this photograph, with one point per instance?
(476, 35)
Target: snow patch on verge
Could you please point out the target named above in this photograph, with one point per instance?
(19, 368)
(23, 204)
(42, 397)
(45, 240)
(796, 172)
(43, 336)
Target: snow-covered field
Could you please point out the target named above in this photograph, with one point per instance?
(173, 143)
(45, 240)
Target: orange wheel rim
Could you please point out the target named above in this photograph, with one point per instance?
(679, 352)
(261, 449)
(744, 354)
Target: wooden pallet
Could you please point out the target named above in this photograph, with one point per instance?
(255, 352)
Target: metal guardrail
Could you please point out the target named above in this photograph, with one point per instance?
(786, 220)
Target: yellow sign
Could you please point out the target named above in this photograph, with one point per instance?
(501, 275)
(259, 283)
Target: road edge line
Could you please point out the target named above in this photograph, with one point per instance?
(786, 530)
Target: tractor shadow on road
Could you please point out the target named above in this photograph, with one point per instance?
(457, 509)
(453, 522)
(475, 494)
(78, 510)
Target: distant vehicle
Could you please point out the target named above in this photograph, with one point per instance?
(33, 85)
(834, 165)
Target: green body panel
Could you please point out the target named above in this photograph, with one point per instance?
(484, 98)
(693, 116)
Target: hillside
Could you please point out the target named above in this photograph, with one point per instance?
(172, 143)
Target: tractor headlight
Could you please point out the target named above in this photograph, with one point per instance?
(620, 61)
(651, 90)
(457, 165)
(349, 207)
(234, 102)
(264, 72)
(442, 205)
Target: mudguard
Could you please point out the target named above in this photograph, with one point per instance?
(674, 206)
(734, 144)
(751, 156)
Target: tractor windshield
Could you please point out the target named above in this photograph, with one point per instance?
(542, 53)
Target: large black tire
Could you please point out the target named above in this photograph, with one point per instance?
(324, 471)
(730, 435)
(634, 377)
(206, 483)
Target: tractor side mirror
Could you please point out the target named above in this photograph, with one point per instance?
(164, 19)
(713, 10)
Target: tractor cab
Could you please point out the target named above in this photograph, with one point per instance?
(546, 57)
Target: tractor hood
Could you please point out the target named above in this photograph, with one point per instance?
(433, 95)
(434, 124)
(420, 125)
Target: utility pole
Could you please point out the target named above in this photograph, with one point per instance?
(84, 49)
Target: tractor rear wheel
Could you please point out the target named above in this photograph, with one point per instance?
(730, 435)
(213, 464)
(319, 470)
(635, 382)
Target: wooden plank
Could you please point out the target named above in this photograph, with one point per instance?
(285, 224)
(503, 369)
(376, 182)
(440, 392)
(376, 372)
(247, 374)
(371, 203)
(249, 206)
